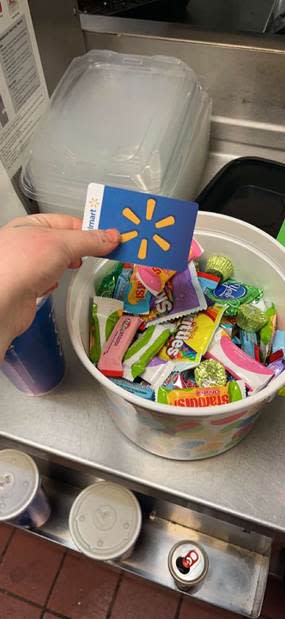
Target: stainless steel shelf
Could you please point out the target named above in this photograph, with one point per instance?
(237, 575)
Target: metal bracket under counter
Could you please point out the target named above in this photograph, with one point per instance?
(238, 558)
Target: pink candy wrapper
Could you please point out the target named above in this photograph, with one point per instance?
(238, 363)
(110, 362)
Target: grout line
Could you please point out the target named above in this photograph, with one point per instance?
(110, 609)
(7, 544)
(21, 598)
(177, 613)
(53, 612)
(55, 577)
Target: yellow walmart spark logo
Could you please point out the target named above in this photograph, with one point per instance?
(166, 222)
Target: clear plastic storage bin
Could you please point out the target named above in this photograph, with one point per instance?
(137, 122)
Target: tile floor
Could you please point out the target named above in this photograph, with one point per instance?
(39, 580)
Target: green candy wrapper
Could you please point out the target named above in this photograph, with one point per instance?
(251, 318)
(210, 373)
(145, 347)
(236, 390)
(267, 332)
(108, 284)
(233, 294)
(105, 313)
(221, 266)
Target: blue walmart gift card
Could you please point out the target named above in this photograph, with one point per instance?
(155, 231)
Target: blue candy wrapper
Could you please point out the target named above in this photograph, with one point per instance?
(144, 391)
(279, 341)
(122, 284)
(155, 230)
(136, 297)
(248, 342)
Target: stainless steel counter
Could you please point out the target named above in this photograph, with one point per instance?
(72, 423)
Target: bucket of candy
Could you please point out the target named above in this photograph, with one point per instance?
(187, 360)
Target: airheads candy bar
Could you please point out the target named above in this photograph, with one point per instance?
(238, 363)
(105, 313)
(141, 389)
(144, 349)
(181, 296)
(196, 397)
(110, 362)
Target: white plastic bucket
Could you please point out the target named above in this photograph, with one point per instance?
(177, 432)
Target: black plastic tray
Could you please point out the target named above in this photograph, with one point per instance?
(251, 189)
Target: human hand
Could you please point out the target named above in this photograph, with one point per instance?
(35, 250)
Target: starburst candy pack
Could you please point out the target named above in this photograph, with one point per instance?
(155, 231)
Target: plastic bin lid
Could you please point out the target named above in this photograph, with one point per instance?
(105, 521)
(19, 481)
(114, 118)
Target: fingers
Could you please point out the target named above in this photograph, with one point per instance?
(81, 243)
(56, 221)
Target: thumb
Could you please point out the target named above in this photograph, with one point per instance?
(81, 243)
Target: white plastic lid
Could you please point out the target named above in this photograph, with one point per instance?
(105, 521)
(19, 481)
(115, 119)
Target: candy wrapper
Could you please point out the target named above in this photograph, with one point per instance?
(206, 280)
(176, 349)
(236, 390)
(196, 250)
(110, 362)
(153, 278)
(267, 332)
(277, 367)
(145, 347)
(232, 294)
(196, 397)
(279, 341)
(123, 281)
(210, 373)
(140, 389)
(181, 296)
(221, 266)
(238, 363)
(179, 380)
(105, 313)
(136, 297)
(248, 342)
(107, 286)
(251, 318)
(200, 397)
(204, 326)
